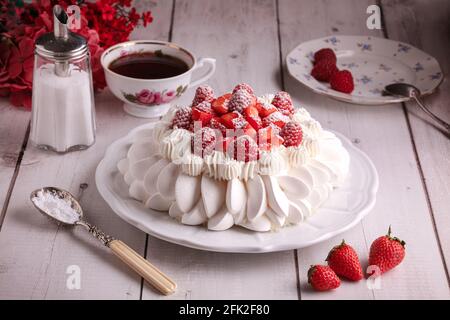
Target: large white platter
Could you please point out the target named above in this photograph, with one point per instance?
(345, 208)
(374, 63)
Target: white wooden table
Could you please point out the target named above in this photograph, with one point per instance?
(249, 39)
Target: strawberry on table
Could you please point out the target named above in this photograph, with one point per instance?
(244, 86)
(220, 105)
(182, 118)
(325, 54)
(324, 70)
(292, 134)
(344, 261)
(252, 116)
(323, 278)
(276, 118)
(264, 109)
(342, 81)
(283, 102)
(240, 100)
(203, 93)
(202, 112)
(387, 252)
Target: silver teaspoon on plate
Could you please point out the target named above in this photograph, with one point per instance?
(411, 92)
(61, 206)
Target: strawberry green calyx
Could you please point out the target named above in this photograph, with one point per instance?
(403, 243)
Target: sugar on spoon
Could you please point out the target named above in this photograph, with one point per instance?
(61, 206)
(409, 91)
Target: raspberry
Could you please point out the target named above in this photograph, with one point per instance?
(203, 93)
(203, 141)
(240, 100)
(182, 118)
(292, 134)
(244, 86)
(283, 102)
(276, 118)
(244, 149)
(324, 69)
(325, 53)
(342, 81)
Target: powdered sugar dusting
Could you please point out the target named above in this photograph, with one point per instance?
(53, 205)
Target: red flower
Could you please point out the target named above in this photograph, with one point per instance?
(146, 96)
(147, 18)
(21, 60)
(108, 12)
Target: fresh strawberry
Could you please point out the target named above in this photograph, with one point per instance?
(202, 112)
(216, 123)
(324, 70)
(386, 252)
(252, 116)
(182, 118)
(344, 261)
(268, 137)
(233, 120)
(264, 109)
(323, 278)
(244, 149)
(203, 142)
(325, 54)
(244, 86)
(276, 118)
(342, 81)
(292, 134)
(203, 93)
(250, 131)
(220, 105)
(240, 100)
(283, 102)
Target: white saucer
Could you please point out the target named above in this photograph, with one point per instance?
(374, 63)
(345, 208)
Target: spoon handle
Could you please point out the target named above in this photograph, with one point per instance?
(431, 114)
(144, 268)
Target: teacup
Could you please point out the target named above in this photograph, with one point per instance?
(150, 98)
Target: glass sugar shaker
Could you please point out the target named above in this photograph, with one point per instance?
(63, 111)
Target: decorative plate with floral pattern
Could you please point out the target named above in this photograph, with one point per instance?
(374, 63)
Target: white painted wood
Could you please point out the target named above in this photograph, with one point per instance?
(13, 126)
(35, 253)
(242, 36)
(433, 148)
(382, 133)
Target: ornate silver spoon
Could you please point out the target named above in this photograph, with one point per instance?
(409, 91)
(61, 206)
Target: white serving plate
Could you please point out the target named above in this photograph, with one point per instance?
(374, 63)
(345, 208)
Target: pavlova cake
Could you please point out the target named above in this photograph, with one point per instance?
(236, 159)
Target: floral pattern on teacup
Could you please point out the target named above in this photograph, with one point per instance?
(147, 97)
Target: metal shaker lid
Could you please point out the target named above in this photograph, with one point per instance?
(61, 44)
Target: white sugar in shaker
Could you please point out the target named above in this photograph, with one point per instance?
(63, 110)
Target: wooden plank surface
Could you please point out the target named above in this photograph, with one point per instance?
(244, 42)
(383, 134)
(419, 23)
(35, 253)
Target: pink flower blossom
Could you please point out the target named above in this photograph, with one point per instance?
(168, 96)
(146, 96)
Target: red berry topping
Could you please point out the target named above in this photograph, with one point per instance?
(276, 118)
(344, 261)
(386, 252)
(283, 102)
(342, 81)
(323, 70)
(182, 118)
(244, 86)
(264, 109)
(203, 142)
(250, 131)
(268, 137)
(292, 134)
(203, 93)
(220, 105)
(202, 112)
(252, 116)
(216, 123)
(233, 120)
(325, 54)
(323, 278)
(244, 149)
(240, 100)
